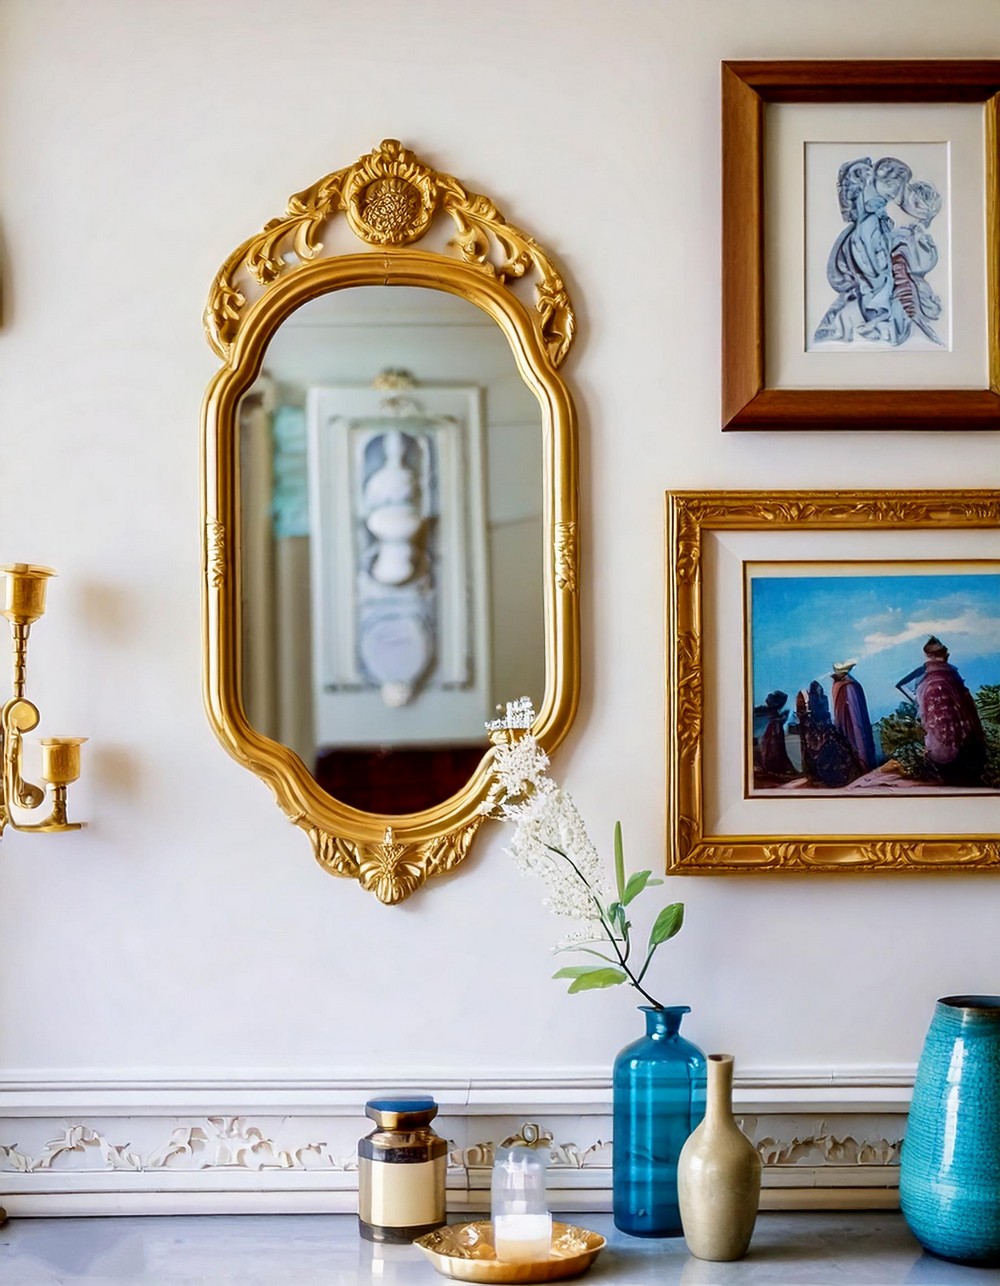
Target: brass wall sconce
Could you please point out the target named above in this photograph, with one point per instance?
(24, 603)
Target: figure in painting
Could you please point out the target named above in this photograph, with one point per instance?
(827, 756)
(914, 255)
(850, 714)
(877, 270)
(772, 752)
(954, 741)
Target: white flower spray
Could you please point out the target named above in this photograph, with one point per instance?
(551, 842)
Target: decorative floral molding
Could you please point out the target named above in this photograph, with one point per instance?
(76, 1139)
(220, 1142)
(821, 1147)
(233, 1142)
(562, 1156)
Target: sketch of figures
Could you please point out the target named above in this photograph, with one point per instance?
(878, 266)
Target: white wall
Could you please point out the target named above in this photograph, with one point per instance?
(188, 927)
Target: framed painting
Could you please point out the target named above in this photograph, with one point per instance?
(833, 682)
(861, 234)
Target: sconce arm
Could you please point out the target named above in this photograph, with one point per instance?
(17, 717)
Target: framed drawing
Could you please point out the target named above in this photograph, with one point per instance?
(861, 234)
(833, 685)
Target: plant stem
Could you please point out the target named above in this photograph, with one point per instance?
(622, 959)
(642, 971)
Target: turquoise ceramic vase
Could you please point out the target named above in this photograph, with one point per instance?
(949, 1178)
(659, 1098)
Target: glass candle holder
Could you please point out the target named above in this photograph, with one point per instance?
(522, 1223)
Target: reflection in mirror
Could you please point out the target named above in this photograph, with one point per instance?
(391, 482)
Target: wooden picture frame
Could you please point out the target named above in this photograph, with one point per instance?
(715, 824)
(748, 89)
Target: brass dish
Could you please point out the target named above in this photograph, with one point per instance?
(465, 1252)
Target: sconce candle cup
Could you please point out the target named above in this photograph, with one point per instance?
(24, 599)
(61, 759)
(24, 603)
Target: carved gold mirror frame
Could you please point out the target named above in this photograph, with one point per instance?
(390, 199)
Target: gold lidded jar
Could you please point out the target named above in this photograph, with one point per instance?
(401, 1170)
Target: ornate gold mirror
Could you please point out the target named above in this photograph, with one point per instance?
(390, 491)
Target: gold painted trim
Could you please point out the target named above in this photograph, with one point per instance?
(691, 513)
(391, 856)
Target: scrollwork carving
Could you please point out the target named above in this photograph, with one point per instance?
(390, 198)
(688, 833)
(201, 1145)
(839, 856)
(336, 855)
(689, 693)
(390, 869)
(688, 549)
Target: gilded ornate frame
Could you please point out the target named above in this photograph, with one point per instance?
(747, 89)
(390, 199)
(690, 514)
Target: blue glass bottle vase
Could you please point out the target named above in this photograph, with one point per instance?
(949, 1174)
(659, 1098)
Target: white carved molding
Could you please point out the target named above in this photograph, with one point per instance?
(98, 1145)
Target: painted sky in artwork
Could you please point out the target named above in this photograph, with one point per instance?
(802, 624)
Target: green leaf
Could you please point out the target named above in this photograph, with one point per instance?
(575, 971)
(616, 917)
(619, 862)
(596, 978)
(636, 883)
(668, 922)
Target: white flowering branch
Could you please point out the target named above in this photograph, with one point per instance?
(551, 841)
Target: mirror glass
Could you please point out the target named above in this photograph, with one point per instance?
(391, 505)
